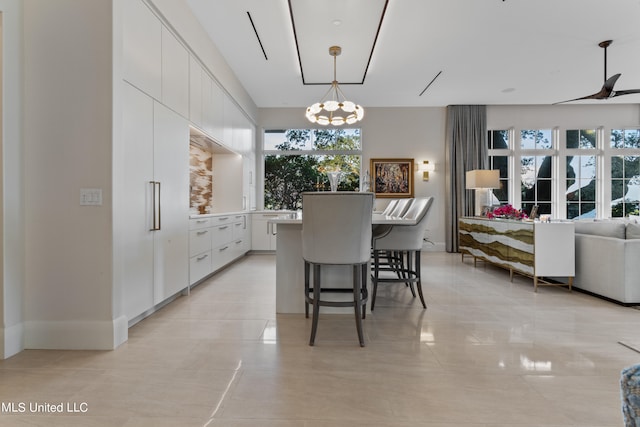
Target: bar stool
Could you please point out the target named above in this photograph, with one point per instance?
(390, 206)
(336, 230)
(403, 245)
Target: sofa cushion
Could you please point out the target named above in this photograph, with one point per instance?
(602, 228)
(633, 231)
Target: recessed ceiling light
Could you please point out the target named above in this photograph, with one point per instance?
(337, 22)
(508, 90)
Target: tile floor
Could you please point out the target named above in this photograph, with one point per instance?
(486, 352)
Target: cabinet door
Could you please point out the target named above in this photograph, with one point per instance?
(171, 170)
(248, 182)
(175, 74)
(195, 92)
(208, 112)
(134, 194)
(217, 112)
(142, 48)
(263, 233)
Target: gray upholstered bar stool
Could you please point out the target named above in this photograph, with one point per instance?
(390, 206)
(336, 230)
(402, 244)
(401, 207)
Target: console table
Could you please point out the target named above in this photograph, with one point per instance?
(535, 249)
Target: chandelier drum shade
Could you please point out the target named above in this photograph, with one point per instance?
(333, 108)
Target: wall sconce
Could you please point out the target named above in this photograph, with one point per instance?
(425, 168)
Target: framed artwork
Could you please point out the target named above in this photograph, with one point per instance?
(392, 177)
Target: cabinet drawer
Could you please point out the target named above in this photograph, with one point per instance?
(221, 235)
(221, 256)
(199, 241)
(239, 230)
(222, 219)
(199, 266)
(197, 223)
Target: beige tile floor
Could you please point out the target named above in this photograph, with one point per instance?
(486, 352)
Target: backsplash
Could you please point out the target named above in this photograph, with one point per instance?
(200, 179)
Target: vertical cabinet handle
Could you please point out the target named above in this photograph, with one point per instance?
(155, 206)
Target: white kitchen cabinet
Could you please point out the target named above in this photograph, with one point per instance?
(263, 233)
(175, 74)
(142, 48)
(248, 182)
(171, 171)
(230, 119)
(195, 92)
(215, 241)
(212, 108)
(153, 198)
(199, 249)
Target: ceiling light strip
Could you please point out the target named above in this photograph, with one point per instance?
(432, 80)
(257, 36)
(384, 11)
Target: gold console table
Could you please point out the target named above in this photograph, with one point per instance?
(534, 249)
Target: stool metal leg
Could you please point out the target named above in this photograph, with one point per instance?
(316, 302)
(306, 289)
(357, 302)
(419, 277)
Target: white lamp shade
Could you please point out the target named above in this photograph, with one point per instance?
(482, 178)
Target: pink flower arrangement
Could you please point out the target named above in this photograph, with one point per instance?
(506, 211)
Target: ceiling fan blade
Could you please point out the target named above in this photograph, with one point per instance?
(605, 92)
(610, 82)
(594, 96)
(625, 92)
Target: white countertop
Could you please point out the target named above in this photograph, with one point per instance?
(377, 219)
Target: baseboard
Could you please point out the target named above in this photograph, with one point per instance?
(12, 340)
(75, 335)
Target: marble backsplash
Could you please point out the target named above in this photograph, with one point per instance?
(200, 179)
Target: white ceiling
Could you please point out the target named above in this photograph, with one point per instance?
(489, 51)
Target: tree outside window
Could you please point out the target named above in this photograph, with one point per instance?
(297, 160)
(625, 172)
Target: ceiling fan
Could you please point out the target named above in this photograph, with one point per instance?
(607, 88)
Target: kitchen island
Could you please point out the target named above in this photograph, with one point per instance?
(290, 266)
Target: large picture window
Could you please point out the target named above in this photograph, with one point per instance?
(569, 174)
(297, 160)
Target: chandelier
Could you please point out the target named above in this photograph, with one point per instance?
(333, 108)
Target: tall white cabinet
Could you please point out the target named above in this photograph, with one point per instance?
(154, 202)
(165, 91)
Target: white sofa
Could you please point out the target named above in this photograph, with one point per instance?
(608, 259)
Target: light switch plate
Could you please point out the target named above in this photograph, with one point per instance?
(91, 197)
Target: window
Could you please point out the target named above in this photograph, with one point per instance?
(625, 172)
(536, 170)
(570, 174)
(296, 160)
(581, 173)
(499, 155)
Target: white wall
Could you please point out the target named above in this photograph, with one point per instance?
(565, 116)
(12, 199)
(415, 133)
(67, 143)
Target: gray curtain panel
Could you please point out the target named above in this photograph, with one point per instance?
(466, 149)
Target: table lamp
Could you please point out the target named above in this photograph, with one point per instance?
(482, 180)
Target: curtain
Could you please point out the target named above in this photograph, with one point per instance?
(466, 149)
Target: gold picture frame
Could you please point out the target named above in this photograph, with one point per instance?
(392, 178)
